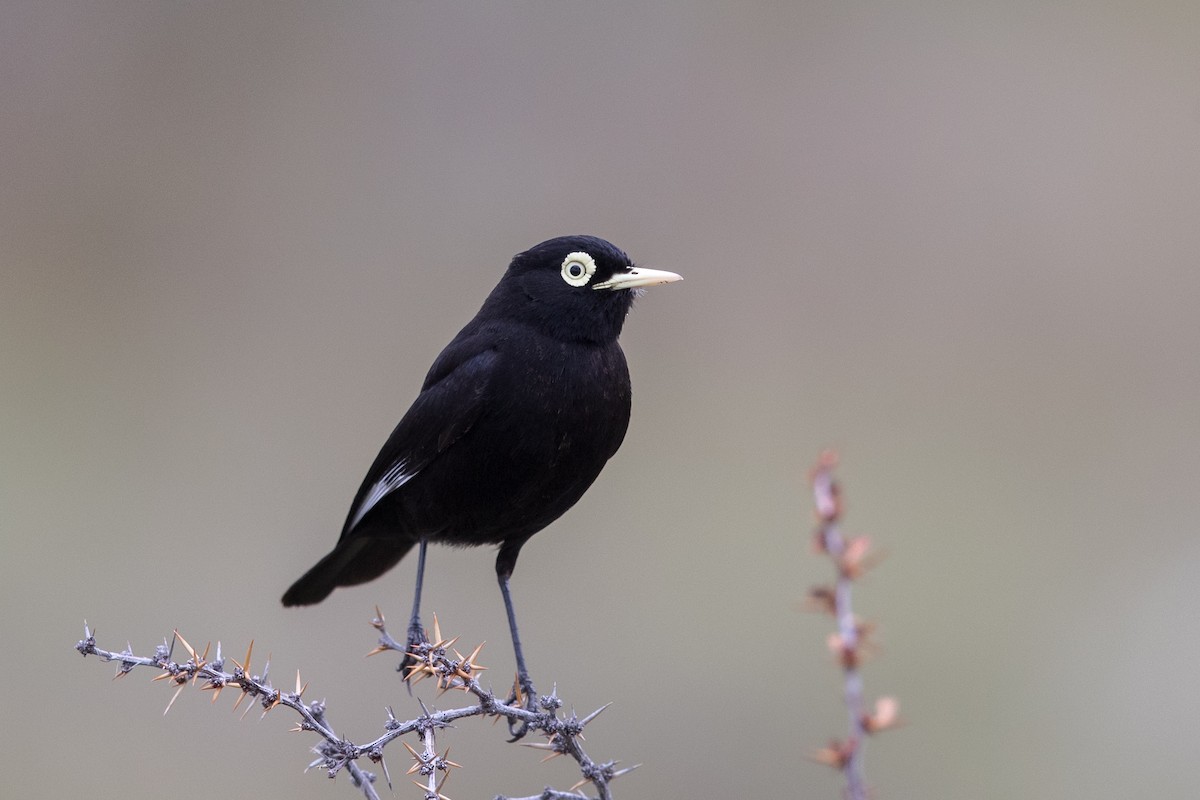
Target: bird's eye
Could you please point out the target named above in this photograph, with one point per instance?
(578, 268)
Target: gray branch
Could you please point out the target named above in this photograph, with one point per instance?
(437, 660)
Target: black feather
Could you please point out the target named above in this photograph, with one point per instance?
(516, 418)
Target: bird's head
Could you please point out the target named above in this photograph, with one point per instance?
(578, 288)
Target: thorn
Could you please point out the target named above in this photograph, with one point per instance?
(422, 669)
(467, 665)
(420, 761)
(450, 764)
(247, 711)
(583, 722)
(437, 630)
(185, 644)
(551, 746)
(200, 663)
(271, 707)
(245, 665)
(173, 698)
(387, 775)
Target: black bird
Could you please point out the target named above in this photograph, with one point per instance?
(515, 420)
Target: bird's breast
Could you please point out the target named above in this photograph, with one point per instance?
(553, 416)
(567, 403)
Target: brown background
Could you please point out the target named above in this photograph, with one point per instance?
(958, 241)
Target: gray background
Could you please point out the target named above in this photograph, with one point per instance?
(957, 241)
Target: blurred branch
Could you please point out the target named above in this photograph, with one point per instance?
(430, 659)
(852, 557)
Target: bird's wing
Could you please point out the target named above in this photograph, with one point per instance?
(449, 404)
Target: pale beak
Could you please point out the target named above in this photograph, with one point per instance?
(634, 277)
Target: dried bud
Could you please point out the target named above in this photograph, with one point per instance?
(851, 654)
(887, 715)
(846, 653)
(826, 493)
(837, 754)
(822, 599)
(856, 557)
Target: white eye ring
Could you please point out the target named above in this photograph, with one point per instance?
(578, 268)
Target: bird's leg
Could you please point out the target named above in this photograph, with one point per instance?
(416, 634)
(517, 729)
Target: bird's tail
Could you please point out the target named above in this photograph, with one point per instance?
(356, 559)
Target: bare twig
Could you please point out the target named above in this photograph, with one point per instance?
(852, 557)
(436, 659)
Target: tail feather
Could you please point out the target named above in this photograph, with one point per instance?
(355, 560)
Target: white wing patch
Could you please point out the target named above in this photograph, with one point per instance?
(392, 480)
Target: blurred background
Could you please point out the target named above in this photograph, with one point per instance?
(956, 241)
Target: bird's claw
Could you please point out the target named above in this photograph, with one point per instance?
(524, 692)
(417, 639)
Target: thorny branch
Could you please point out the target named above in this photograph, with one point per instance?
(436, 659)
(852, 557)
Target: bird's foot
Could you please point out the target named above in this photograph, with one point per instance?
(524, 696)
(415, 649)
